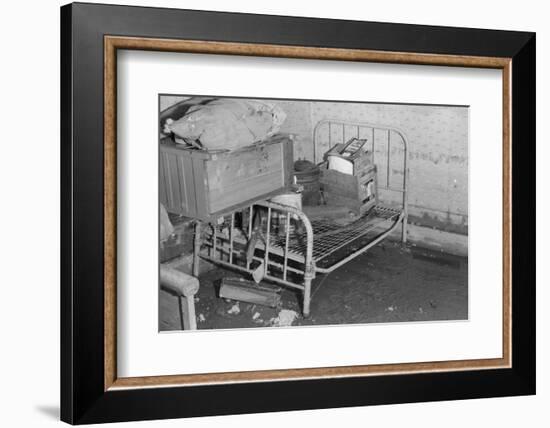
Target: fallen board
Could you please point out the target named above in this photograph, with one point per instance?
(249, 291)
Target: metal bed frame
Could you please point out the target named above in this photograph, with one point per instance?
(306, 247)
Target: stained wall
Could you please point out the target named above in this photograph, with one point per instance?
(437, 153)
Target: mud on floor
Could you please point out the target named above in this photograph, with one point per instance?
(389, 283)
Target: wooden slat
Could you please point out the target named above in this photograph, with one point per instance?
(248, 291)
(187, 182)
(163, 195)
(174, 182)
(200, 186)
(170, 205)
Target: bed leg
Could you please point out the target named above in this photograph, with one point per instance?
(307, 296)
(197, 249)
(308, 277)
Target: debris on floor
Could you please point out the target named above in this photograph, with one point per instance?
(258, 273)
(418, 289)
(235, 309)
(285, 318)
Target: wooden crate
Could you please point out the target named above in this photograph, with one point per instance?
(206, 185)
(359, 161)
(351, 191)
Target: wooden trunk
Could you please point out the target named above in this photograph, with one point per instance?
(206, 185)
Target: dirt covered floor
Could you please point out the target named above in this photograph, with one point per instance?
(389, 283)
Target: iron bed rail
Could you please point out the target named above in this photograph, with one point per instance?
(224, 243)
(293, 248)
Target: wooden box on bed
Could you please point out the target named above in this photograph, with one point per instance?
(358, 192)
(205, 185)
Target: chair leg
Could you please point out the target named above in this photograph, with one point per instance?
(187, 305)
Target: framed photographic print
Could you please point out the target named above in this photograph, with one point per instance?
(276, 213)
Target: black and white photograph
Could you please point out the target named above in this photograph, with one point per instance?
(290, 212)
(275, 214)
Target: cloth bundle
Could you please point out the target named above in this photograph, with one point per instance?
(226, 123)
